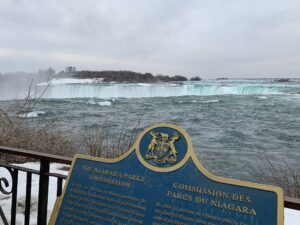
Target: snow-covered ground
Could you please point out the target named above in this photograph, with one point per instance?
(291, 217)
(71, 81)
(5, 201)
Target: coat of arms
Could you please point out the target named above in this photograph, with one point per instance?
(162, 149)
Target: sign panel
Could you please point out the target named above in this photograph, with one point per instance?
(160, 181)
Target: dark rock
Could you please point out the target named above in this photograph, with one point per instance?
(283, 80)
(195, 79)
(127, 77)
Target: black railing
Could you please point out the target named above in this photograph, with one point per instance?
(44, 173)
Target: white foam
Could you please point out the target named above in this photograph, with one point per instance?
(184, 102)
(32, 114)
(102, 103)
(105, 103)
(211, 101)
(91, 102)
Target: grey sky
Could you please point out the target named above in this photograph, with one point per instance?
(211, 38)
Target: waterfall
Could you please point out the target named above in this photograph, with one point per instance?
(85, 90)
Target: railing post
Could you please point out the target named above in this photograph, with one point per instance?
(14, 196)
(43, 193)
(28, 198)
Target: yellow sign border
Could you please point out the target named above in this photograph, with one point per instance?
(190, 154)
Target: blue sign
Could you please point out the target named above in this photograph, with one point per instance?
(160, 181)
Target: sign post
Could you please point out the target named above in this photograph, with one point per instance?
(161, 181)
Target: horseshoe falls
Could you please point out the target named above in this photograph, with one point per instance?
(206, 88)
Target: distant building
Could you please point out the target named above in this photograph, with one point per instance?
(70, 69)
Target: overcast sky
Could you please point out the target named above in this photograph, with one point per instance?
(209, 38)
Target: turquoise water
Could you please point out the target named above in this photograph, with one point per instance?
(234, 124)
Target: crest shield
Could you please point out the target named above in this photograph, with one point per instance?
(161, 149)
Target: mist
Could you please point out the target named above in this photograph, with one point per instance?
(20, 85)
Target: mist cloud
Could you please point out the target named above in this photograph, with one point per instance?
(207, 38)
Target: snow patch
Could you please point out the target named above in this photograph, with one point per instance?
(70, 81)
(144, 84)
(291, 217)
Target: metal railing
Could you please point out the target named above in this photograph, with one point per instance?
(44, 173)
